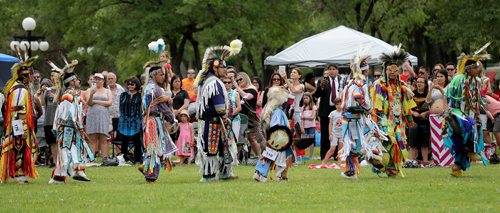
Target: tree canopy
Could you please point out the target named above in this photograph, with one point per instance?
(113, 34)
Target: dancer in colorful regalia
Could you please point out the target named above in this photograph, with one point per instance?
(216, 145)
(158, 117)
(361, 136)
(392, 102)
(73, 150)
(19, 143)
(463, 135)
(278, 152)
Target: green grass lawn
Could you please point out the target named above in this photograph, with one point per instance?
(116, 189)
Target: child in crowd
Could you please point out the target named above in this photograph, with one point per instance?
(309, 120)
(185, 142)
(335, 130)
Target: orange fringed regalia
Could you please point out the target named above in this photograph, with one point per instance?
(19, 153)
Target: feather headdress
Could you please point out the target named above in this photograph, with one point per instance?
(276, 97)
(464, 61)
(23, 67)
(67, 72)
(397, 57)
(150, 69)
(359, 64)
(216, 56)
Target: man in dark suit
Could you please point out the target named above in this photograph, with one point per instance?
(328, 89)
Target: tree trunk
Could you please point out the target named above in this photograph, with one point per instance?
(266, 71)
(177, 54)
(197, 56)
(251, 63)
(417, 46)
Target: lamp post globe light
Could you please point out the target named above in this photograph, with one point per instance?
(29, 24)
(29, 42)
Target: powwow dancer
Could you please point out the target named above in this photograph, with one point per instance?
(278, 151)
(19, 143)
(158, 146)
(68, 128)
(215, 143)
(392, 103)
(464, 136)
(360, 134)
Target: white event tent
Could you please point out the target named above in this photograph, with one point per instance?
(337, 45)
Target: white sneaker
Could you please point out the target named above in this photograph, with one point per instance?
(80, 175)
(259, 178)
(52, 181)
(353, 177)
(92, 164)
(206, 180)
(21, 179)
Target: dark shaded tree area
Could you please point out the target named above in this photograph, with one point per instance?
(113, 34)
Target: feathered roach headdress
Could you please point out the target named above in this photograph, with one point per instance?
(151, 68)
(395, 59)
(472, 60)
(215, 57)
(67, 72)
(276, 96)
(359, 64)
(21, 68)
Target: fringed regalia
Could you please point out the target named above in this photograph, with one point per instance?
(463, 135)
(158, 146)
(19, 152)
(19, 143)
(392, 104)
(215, 151)
(282, 160)
(278, 151)
(216, 141)
(361, 136)
(392, 109)
(74, 151)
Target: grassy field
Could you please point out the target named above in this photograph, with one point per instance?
(116, 189)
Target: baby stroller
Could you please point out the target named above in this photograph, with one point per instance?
(242, 142)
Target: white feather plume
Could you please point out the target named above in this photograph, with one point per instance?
(235, 46)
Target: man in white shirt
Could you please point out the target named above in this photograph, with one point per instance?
(116, 91)
(328, 89)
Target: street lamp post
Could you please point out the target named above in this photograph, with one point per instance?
(28, 40)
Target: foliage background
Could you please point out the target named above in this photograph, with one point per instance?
(113, 34)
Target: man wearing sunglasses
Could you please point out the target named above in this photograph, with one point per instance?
(452, 71)
(188, 84)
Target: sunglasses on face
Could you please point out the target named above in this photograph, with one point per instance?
(377, 76)
(227, 82)
(130, 84)
(276, 79)
(239, 79)
(450, 69)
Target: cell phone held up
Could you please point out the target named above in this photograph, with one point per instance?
(282, 70)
